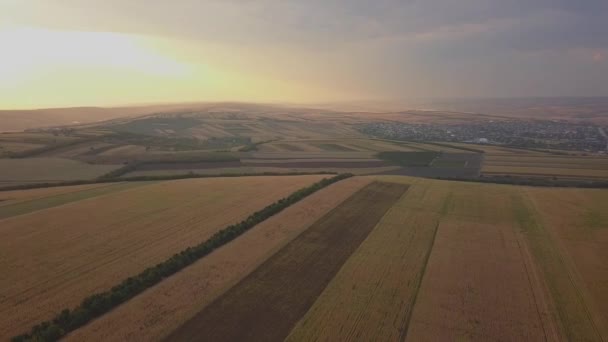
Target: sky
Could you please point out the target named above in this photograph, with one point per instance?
(56, 53)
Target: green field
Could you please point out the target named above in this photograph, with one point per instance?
(409, 158)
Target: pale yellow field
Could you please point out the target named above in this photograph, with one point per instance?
(53, 258)
(491, 271)
(577, 220)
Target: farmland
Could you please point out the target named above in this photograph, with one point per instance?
(444, 261)
(283, 288)
(38, 170)
(53, 258)
(435, 234)
(163, 308)
(547, 166)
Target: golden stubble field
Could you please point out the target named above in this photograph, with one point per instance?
(466, 261)
(448, 261)
(53, 258)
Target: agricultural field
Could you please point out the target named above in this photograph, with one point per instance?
(465, 264)
(345, 145)
(37, 170)
(279, 291)
(163, 308)
(14, 203)
(591, 167)
(53, 258)
(424, 260)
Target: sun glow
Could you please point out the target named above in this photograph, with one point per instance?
(57, 68)
(29, 50)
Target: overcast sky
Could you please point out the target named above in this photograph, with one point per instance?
(327, 50)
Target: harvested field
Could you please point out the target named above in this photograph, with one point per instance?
(282, 289)
(49, 169)
(372, 295)
(54, 258)
(488, 276)
(25, 206)
(163, 308)
(545, 171)
(577, 220)
(15, 196)
(476, 287)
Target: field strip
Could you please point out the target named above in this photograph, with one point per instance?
(476, 287)
(573, 314)
(282, 289)
(164, 307)
(55, 258)
(372, 295)
(28, 206)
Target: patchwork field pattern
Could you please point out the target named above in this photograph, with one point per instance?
(443, 261)
(283, 288)
(158, 311)
(53, 258)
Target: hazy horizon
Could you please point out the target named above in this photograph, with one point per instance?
(69, 53)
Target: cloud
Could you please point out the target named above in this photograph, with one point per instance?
(382, 48)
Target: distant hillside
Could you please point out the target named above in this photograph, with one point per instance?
(18, 120)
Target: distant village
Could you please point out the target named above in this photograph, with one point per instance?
(514, 133)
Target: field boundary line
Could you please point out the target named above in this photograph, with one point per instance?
(408, 319)
(98, 304)
(567, 266)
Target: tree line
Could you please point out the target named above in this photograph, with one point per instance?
(98, 304)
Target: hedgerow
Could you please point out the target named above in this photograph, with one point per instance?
(98, 304)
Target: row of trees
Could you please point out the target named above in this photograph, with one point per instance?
(100, 303)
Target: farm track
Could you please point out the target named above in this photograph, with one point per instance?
(282, 289)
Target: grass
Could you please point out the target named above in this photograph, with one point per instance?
(409, 158)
